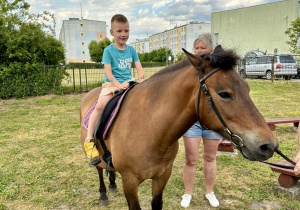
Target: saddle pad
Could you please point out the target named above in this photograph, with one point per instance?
(85, 121)
(110, 112)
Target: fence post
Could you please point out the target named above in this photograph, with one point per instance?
(244, 63)
(86, 85)
(272, 72)
(80, 79)
(74, 79)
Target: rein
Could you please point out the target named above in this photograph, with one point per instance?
(236, 140)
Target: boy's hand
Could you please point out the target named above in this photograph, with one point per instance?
(124, 85)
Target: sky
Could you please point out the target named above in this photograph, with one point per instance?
(146, 17)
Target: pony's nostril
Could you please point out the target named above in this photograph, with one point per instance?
(267, 150)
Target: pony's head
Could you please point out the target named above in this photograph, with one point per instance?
(226, 107)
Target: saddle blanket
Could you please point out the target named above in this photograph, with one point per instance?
(85, 121)
(109, 113)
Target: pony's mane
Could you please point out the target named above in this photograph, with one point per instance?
(224, 59)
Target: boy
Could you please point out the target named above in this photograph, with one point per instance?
(117, 59)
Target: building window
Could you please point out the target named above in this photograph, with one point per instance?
(83, 52)
(81, 34)
(83, 61)
(217, 38)
(81, 25)
(82, 44)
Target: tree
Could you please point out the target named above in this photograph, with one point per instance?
(293, 33)
(144, 57)
(180, 56)
(96, 49)
(27, 41)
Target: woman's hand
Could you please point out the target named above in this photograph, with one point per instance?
(297, 161)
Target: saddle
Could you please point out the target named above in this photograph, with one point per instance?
(109, 113)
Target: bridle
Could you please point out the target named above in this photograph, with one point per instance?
(235, 139)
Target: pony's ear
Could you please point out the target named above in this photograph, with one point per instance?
(195, 60)
(218, 49)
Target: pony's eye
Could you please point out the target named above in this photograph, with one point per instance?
(225, 95)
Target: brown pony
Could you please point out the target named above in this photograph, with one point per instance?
(143, 140)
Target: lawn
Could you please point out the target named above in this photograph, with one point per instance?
(43, 167)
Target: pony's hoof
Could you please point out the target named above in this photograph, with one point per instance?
(103, 202)
(113, 189)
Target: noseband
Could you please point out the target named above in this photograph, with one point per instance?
(235, 139)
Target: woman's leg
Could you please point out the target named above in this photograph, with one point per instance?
(209, 163)
(191, 146)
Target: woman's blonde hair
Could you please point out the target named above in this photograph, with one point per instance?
(207, 39)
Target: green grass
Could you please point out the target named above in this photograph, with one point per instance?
(43, 167)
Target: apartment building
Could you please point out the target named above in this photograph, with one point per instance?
(76, 34)
(175, 39)
(141, 45)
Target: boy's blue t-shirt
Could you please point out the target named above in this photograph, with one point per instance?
(120, 61)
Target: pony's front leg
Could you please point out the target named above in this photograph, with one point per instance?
(158, 186)
(130, 187)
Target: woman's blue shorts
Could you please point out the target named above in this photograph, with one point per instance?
(197, 130)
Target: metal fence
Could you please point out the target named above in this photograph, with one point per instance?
(84, 77)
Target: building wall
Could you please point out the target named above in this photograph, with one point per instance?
(141, 45)
(193, 31)
(77, 34)
(258, 27)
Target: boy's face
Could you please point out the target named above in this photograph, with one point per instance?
(120, 31)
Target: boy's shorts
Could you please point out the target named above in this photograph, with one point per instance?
(197, 131)
(108, 88)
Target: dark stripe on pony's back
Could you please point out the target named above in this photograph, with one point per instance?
(172, 68)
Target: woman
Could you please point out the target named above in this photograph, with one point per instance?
(192, 138)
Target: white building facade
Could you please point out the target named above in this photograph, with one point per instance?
(76, 34)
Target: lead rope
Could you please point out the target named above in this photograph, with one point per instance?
(284, 157)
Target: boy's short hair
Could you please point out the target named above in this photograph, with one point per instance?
(119, 18)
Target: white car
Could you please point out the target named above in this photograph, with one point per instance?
(261, 66)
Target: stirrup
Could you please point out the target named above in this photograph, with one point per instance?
(93, 163)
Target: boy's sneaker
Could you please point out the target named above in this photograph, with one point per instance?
(186, 199)
(212, 199)
(91, 152)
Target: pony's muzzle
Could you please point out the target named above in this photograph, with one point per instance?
(267, 150)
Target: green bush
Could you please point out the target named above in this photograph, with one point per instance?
(72, 65)
(18, 80)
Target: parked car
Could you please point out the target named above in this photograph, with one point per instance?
(298, 71)
(261, 66)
